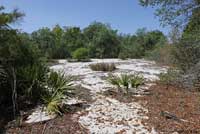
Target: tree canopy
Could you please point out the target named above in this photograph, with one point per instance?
(173, 12)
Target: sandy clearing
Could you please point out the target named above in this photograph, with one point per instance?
(107, 115)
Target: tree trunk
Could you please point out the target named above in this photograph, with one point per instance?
(14, 91)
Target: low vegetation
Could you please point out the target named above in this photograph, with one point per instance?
(81, 54)
(107, 67)
(26, 80)
(78, 60)
(170, 77)
(126, 82)
(136, 80)
(58, 86)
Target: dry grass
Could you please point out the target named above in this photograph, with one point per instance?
(107, 67)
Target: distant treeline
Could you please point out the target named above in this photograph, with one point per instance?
(98, 40)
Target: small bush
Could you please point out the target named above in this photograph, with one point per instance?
(122, 56)
(114, 80)
(161, 54)
(126, 82)
(136, 80)
(103, 67)
(187, 53)
(58, 86)
(81, 54)
(170, 77)
(32, 82)
(79, 60)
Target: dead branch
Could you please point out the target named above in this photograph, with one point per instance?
(169, 115)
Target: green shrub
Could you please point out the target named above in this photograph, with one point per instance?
(81, 54)
(126, 82)
(122, 56)
(114, 80)
(134, 51)
(136, 80)
(58, 86)
(80, 60)
(161, 54)
(31, 81)
(103, 67)
(122, 82)
(24, 72)
(187, 52)
(170, 77)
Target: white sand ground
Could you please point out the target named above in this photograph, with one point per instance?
(107, 115)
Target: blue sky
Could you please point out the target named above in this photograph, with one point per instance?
(124, 15)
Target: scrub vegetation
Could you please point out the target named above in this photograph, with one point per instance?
(126, 82)
(108, 67)
(27, 81)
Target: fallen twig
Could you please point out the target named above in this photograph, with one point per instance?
(169, 115)
(44, 128)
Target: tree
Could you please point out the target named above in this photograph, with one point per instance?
(103, 41)
(136, 46)
(193, 25)
(181, 14)
(8, 53)
(21, 66)
(130, 48)
(8, 18)
(61, 50)
(153, 38)
(173, 12)
(73, 39)
(91, 32)
(45, 40)
(174, 35)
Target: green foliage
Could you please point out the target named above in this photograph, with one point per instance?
(151, 39)
(173, 12)
(136, 80)
(134, 51)
(58, 81)
(114, 80)
(31, 81)
(73, 38)
(187, 52)
(28, 64)
(54, 103)
(137, 45)
(81, 53)
(100, 39)
(9, 18)
(126, 81)
(45, 40)
(122, 56)
(103, 67)
(122, 82)
(183, 15)
(103, 41)
(21, 79)
(129, 48)
(170, 77)
(193, 25)
(161, 54)
(58, 86)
